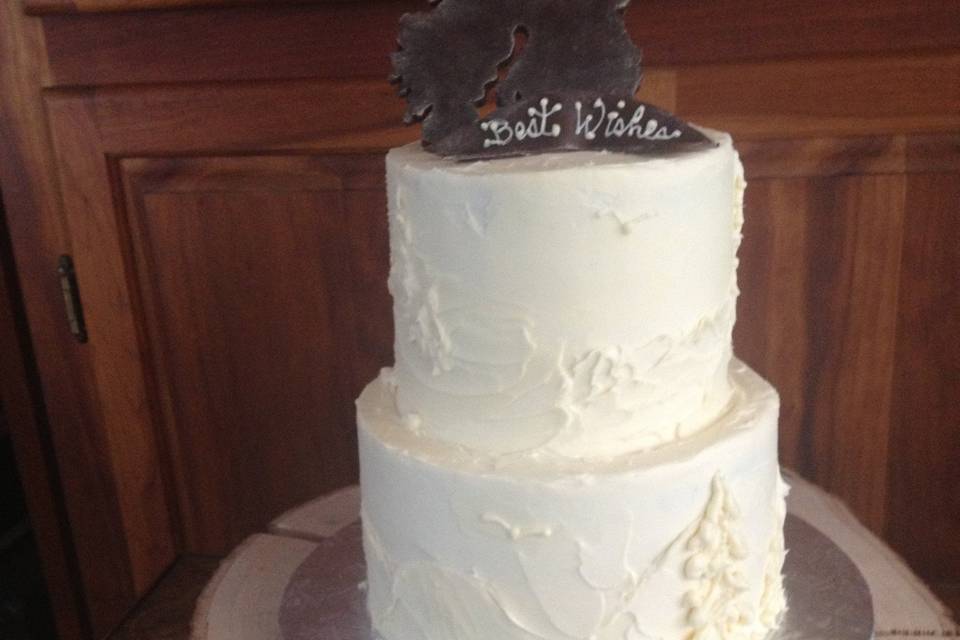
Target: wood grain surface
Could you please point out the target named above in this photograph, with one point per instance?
(851, 96)
(819, 269)
(163, 487)
(126, 443)
(325, 39)
(132, 117)
(671, 32)
(23, 418)
(251, 328)
(46, 385)
(215, 173)
(925, 425)
(95, 6)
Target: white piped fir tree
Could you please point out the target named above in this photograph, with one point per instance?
(716, 606)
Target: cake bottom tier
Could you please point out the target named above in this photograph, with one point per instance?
(682, 542)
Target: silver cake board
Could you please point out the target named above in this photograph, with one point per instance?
(827, 596)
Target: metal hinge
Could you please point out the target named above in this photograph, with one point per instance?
(71, 298)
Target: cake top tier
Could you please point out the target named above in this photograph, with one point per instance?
(577, 304)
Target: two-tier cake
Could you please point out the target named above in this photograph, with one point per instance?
(566, 448)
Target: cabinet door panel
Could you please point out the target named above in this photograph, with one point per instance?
(247, 279)
(217, 233)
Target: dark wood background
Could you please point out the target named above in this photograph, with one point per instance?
(215, 170)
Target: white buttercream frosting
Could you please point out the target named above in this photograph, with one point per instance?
(566, 448)
(684, 541)
(575, 304)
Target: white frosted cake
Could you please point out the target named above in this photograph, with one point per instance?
(566, 447)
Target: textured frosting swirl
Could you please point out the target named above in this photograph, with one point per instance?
(577, 305)
(685, 541)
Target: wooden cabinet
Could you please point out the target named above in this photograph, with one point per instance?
(215, 170)
(233, 274)
(266, 325)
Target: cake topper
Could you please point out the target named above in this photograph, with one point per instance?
(571, 74)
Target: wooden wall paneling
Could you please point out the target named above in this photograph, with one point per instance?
(861, 155)
(936, 153)
(39, 7)
(123, 451)
(352, 39)
(770, 326)
(826, 156)
(332, 40)
(817, 316)
(911, 423)
(367, 113)
(21, 404)
(925, 432)
(659, 87)
(38, 237)
(693, 32)
(262, 116)
(860, 96)
(91, 130)
(245, 271)
(372, 313)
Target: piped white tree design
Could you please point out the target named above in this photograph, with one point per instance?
(715, 564)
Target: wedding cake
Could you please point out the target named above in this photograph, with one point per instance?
(566, 447)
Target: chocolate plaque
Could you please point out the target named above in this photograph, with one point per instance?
(563, 72)
(571, 122)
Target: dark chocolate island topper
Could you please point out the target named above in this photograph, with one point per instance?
(571, 87)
